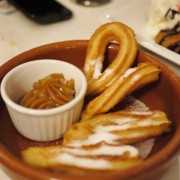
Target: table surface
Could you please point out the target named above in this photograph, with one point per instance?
(18, 34)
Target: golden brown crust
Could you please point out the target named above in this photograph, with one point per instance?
(137, 77)
(127, 127)
(79, 155)
(104, 142)
(100, 157)
(116, 31)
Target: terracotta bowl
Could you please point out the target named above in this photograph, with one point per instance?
(163, 95)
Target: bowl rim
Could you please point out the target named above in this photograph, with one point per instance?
(46, 112)
(169, 152)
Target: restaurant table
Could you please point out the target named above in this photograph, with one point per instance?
(18, 34)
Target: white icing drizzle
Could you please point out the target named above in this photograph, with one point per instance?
(128, 72)
(74, 156)
(119, 127)
(98, 69)
(69, 159)
(101, 134)
(104, 149)
(157, 16)
(94, 139)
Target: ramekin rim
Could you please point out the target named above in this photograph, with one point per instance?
(44, 112)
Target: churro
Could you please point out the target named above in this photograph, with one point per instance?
(122, 127)
(131, 80)
(93, 158)
(116, 31)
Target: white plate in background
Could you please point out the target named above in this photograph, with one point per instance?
(134, 13)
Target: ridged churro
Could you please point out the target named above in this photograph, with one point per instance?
(93, 158)
(122, 127)
(103, 140)
(131, 80)
(116, 31)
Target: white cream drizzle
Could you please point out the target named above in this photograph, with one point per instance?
(98, 69)
(69, 159)
(128, 72)
(94, 139)
(119, 127)
(104, 133)
(105, 150)
(74, 156)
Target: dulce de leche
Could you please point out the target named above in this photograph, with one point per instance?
(50, 92)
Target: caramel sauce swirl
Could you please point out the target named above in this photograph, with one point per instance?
(50, 92)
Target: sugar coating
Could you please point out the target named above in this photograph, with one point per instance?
(103, 133)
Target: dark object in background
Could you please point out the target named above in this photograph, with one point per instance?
(42, 11)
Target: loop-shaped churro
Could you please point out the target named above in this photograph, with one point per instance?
(131, 80)
(116, 31)
(49, 92)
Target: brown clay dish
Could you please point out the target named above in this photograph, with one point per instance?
(163, 95)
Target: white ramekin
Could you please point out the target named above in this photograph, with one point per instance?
(42, 125)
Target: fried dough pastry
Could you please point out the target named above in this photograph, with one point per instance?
(97, 158)
(122, 127)
(115, 31)
(170, 38)
(49, 92)
(131, 80)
